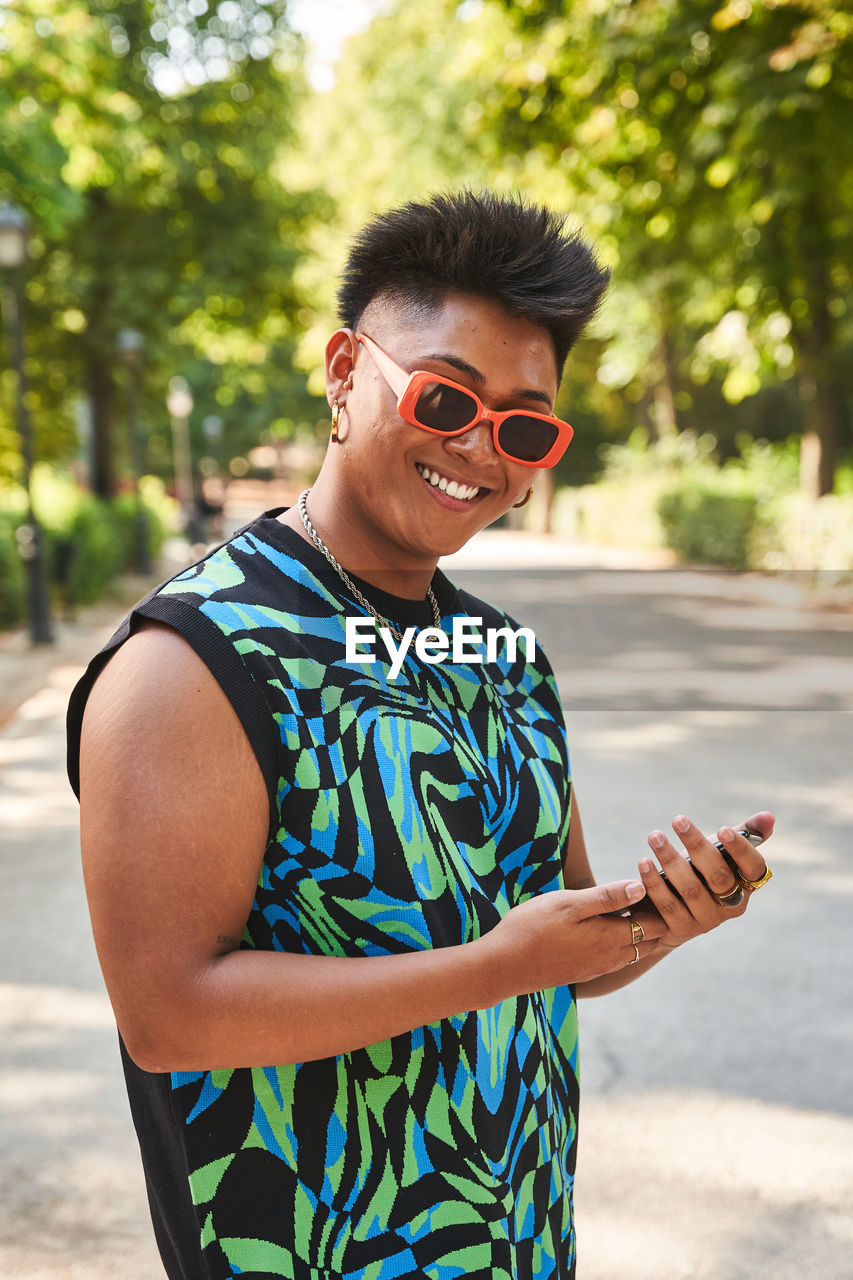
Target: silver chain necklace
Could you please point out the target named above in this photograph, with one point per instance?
(344, 576)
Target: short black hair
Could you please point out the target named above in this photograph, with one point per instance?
(500, 247)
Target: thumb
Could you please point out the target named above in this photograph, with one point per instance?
(603, 899)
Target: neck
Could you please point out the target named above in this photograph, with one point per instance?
(361, 548)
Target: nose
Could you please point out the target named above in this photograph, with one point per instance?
(476, 444)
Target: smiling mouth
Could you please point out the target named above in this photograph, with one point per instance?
(453, 488)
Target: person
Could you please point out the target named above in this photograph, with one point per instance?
(336, 872)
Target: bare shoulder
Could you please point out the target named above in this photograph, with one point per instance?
(158, 724)
(154, 670)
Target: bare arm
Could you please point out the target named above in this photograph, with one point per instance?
(174, 816)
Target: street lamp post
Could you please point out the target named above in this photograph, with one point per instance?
(14, 233)
(180, 402)
(212, 426)
(130, 343)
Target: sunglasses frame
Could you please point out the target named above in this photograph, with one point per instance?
(408, 386)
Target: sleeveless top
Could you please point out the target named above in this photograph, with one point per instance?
(404, 814)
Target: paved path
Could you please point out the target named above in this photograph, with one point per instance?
(718, 1116)
(717, 1122)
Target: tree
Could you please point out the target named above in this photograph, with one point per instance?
(713, 143)
(401, 122)
(143, 137)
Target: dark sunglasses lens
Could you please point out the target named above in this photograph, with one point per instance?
(444, 408)
(525, 438)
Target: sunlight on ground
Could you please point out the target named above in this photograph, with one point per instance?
(678, 1184)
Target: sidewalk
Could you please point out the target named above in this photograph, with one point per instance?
(25, 669)
(717, 1120)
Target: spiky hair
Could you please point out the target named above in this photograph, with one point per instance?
(499, 247)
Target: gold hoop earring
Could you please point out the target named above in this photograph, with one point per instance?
(336, 414)
(525, 499)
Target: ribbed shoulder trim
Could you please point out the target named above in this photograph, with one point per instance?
(224, 663)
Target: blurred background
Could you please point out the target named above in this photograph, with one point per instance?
(178, 183)
(179, 180)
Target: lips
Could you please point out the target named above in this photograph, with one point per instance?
(453, 488)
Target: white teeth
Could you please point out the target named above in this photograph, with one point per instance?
(465, 492)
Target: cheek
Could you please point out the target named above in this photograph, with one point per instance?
(521, 479)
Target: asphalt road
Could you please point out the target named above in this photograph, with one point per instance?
(717, 1120)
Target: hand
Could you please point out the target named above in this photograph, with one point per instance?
(692, 909)
(572, 935)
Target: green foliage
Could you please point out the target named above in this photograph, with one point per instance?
(12, 579)
(709, 523)
(844, 478)
(743, 513)
(401, 122)
(142, 137)
(793, 532)
(95, 544)
(706, 146)
(87, 542)
(710, 148)
(159, 511)
(183, 181)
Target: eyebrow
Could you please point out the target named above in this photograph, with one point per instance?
(464, 367)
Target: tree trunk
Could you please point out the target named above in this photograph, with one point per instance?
(819, 386)
(665, 417)
(102, 393)
(824, 413)
(541, 504)
(100, 340)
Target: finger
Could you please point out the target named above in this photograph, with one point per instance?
(720, 876)
(602, 899)
(649, 919)
(682, 876)
(640, 951)
(762, 823)
(659, 895)
(748, 860)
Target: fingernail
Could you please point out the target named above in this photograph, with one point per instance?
(657, 839)
(725, 834)
(681, 824)
(645, 865)
(635, 890)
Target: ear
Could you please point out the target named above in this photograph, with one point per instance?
(340, 358)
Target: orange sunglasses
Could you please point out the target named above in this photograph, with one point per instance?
(436, 404)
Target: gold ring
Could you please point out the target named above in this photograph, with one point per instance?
(638, 933)
(636, 959)
(752, 885)
(734, 897)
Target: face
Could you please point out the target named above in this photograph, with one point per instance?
(385, 467)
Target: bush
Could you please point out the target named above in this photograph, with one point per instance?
(710, 522)
(795, 532)
(13, 584)
(87, 541)
(743, 513)
(160, 516)
(93, 549)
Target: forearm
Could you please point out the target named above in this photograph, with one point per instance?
(255, 1008)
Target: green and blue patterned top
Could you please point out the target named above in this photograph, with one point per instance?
(404, 814)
